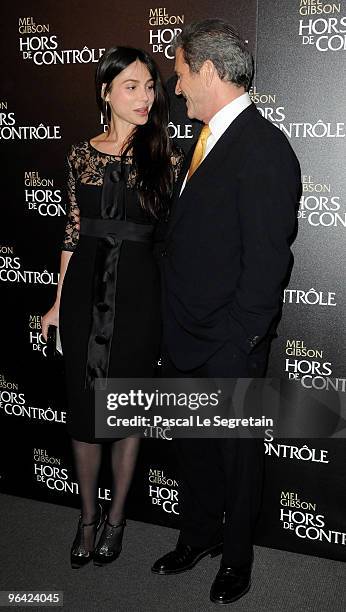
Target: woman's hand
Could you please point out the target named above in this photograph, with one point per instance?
(50, 318)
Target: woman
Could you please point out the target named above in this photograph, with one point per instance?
(108, 297)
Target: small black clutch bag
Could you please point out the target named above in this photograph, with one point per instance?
(53, 342)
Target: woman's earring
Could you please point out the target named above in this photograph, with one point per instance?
(106, 111)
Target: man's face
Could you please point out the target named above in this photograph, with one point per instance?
(190, 85)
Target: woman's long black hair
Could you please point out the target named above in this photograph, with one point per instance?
(149, 143)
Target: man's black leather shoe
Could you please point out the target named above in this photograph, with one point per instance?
(183, 558)
(230, 584)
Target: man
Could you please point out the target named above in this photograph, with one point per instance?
(224, 261)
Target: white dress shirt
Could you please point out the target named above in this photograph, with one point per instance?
(221, 121)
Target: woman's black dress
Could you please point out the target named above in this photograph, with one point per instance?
(109, 317)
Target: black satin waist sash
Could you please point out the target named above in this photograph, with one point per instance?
(110, 234)
(119, 229)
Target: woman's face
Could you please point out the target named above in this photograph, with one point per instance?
(132, 94)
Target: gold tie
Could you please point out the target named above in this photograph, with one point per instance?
(199, 151)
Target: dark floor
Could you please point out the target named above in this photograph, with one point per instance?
(35, 543)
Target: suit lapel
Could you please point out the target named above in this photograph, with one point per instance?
(178, 184)
(176, 200)
(222, 148)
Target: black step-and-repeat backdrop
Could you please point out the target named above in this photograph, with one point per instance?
(47, 102)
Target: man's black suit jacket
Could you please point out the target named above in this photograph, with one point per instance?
(226, 251)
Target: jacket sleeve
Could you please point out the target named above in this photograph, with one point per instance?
(267, 201)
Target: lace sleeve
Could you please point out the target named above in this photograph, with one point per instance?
(177, 160)
(71, 236)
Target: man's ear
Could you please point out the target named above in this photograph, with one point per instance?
(208, 72)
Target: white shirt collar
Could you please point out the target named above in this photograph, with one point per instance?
(221, 121)
(227, 114)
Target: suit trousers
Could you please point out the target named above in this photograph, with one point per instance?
(221, 478)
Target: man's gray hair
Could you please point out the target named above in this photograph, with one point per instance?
(216, 40)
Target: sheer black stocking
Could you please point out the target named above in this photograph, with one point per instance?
(87, 459)
(124, 456)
